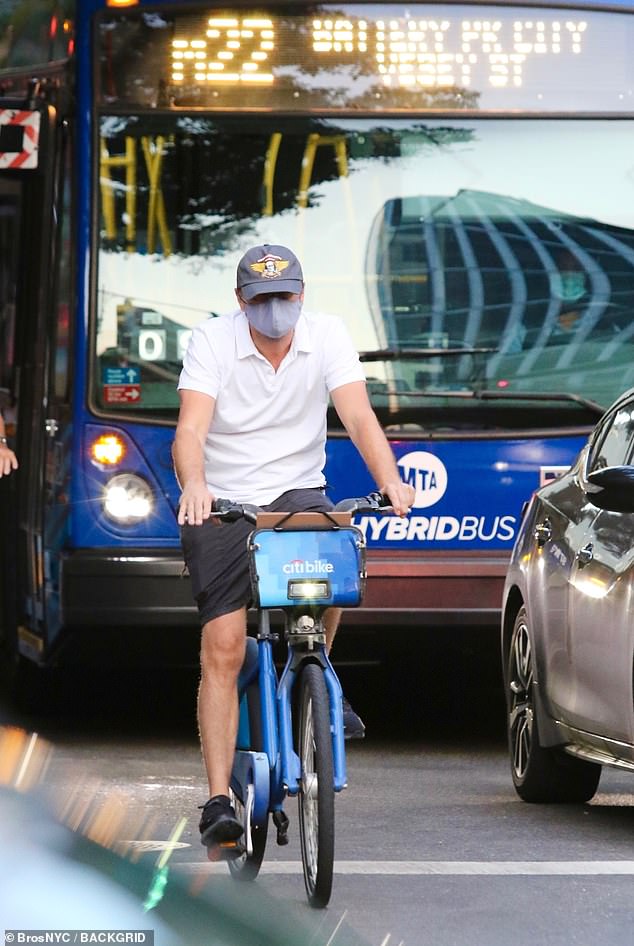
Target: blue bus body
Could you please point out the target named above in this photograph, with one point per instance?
(452, 277)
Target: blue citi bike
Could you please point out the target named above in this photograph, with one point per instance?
(290, 733)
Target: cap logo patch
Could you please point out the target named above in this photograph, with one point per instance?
(270, 266)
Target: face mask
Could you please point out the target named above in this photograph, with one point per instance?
(274, 318)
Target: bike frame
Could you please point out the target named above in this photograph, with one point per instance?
(275, 771)
(275, 754)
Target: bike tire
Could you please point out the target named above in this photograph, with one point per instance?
(316, 796)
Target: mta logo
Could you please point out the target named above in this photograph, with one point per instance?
(427, 474)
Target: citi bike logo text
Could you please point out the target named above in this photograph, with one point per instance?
(300, 566)
(427, 474)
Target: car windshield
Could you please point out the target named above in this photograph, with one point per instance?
(464, 255)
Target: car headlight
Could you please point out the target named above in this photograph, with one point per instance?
(127, 498)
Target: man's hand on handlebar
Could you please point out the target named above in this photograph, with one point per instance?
(195, 504)
(401, 496)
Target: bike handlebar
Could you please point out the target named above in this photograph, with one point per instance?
(373, 502)
(230, 511)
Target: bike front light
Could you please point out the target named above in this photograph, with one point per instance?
(300, 588)
(127, 499)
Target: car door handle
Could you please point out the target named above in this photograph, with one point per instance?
(543, 532)
(585, 555)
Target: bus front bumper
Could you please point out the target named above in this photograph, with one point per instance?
(126, 587)
(148, 587)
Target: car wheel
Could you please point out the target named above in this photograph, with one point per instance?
(539, 774)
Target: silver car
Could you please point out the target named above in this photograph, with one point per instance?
(568, 622)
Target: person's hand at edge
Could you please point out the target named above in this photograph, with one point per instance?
(8, 460)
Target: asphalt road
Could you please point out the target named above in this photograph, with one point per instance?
(433, 846)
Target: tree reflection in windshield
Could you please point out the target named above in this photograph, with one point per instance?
(510, 293)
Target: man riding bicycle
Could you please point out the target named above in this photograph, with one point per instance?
(254, 393)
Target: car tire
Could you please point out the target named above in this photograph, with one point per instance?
(540, 774)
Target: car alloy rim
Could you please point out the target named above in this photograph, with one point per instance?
(521, 704)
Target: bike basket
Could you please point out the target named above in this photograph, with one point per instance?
(307, 567)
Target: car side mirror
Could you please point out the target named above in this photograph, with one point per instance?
(612, 488)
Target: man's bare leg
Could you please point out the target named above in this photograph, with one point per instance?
(221, 656)
(331, 622)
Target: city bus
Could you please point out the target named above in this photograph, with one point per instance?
(457, 181)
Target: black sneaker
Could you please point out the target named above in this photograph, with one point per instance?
(353, 726)
(218, 822)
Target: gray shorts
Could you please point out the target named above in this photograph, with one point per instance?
(216, 554)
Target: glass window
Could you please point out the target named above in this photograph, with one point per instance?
(616, 445)
(456, 271)
(33, 32)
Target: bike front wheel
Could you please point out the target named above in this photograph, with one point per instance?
(316, 795)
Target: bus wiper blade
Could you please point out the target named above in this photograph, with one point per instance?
(542, 396)
(396, 354)
(467, 395)
(508, 396)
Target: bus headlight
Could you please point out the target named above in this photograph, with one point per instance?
(127, 498)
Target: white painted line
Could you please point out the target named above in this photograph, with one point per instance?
(145, 847)
(336, 929)
(403, 868)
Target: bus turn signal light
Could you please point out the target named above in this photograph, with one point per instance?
(121, 3)
(107, 450)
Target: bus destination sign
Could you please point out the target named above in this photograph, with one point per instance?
(406, 52)
(379, 57)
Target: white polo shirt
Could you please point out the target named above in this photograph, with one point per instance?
(268, 432)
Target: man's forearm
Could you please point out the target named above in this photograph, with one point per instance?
(188, 458)
(375, 449)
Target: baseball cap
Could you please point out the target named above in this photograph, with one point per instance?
(269, 268)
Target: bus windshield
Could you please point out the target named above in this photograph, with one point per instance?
(493, 255)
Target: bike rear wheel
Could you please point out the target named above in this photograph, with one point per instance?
(316, 796)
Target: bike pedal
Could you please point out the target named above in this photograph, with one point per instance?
(227, 851)
(281, 822)
(230, 849)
